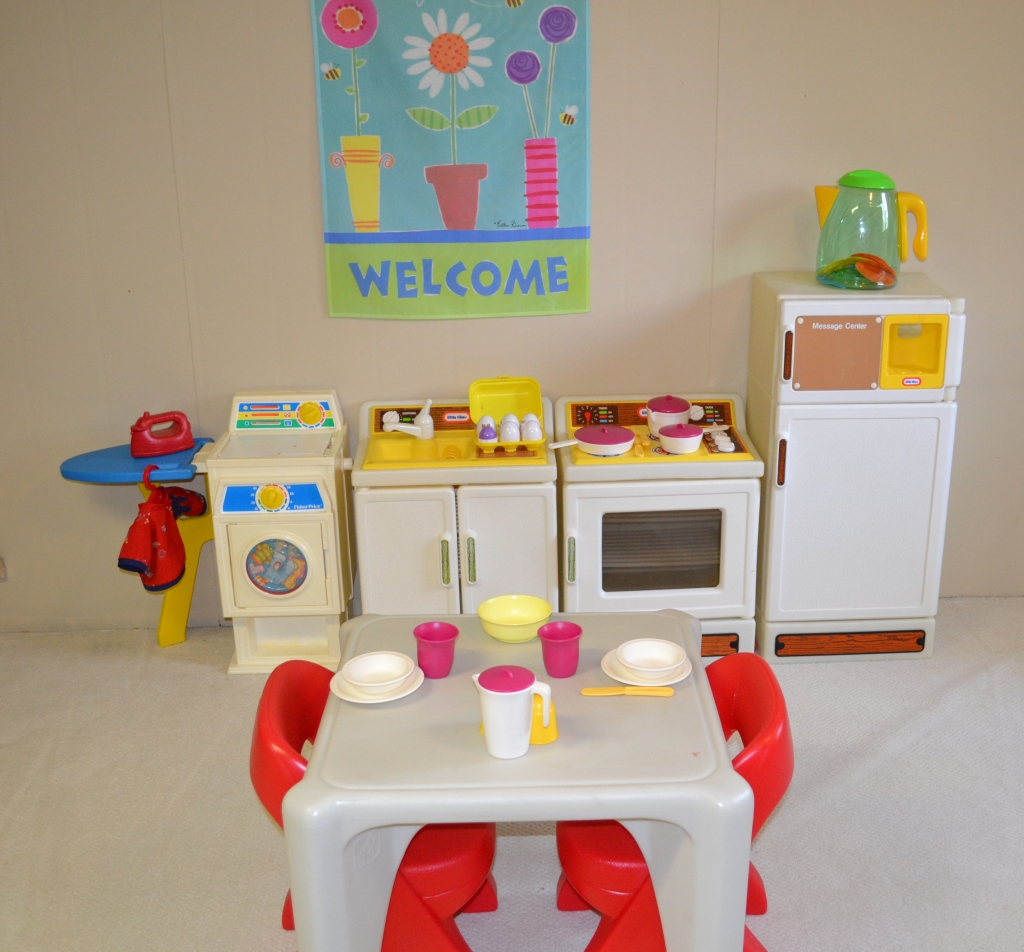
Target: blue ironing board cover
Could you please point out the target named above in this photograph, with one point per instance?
(115, 465)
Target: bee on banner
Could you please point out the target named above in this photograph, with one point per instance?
(569, 114)
(330, 71)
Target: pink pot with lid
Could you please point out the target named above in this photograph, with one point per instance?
(664, 411)
(600, 440)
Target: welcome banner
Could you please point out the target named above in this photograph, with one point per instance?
(455, 153)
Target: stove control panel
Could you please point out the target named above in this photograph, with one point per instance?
(633, 413)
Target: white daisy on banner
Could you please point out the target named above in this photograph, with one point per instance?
(448, 53)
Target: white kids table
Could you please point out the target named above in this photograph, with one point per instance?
(380, 771)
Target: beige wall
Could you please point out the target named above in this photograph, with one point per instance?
(160, 239)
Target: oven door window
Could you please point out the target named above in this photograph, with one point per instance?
(657, 551)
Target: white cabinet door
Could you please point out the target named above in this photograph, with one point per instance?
(406, 542)
(508, 542)
(856, 527)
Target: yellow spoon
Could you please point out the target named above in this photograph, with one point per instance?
(635, 692)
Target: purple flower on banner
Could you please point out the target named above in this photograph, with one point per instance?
(523, 68)
(557, 24)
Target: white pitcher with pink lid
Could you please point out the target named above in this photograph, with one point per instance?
(506, 702)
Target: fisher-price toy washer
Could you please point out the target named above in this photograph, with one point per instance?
(278, 484)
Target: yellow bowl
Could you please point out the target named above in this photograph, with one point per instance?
(514, 618)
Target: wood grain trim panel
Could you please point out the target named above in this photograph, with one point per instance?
(717, 646)
(849, 643)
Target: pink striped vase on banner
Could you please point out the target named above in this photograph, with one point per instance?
(541, 183)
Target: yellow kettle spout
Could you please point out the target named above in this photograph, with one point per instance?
(825, 196)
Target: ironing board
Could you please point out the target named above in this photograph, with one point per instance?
(115, 466)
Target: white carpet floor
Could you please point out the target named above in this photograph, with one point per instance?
(127, 821)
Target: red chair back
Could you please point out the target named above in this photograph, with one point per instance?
(288, 715)
(749, 700)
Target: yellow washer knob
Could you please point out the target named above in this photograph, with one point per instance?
(310, 413)
(272, 497)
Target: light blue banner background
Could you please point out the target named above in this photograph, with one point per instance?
(407, 201)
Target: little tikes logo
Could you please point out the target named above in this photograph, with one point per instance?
(455, 416)
(911, 381)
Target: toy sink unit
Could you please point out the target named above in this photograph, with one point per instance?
(414, 435)
(390, 448)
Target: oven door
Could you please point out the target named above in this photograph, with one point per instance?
(644, 546)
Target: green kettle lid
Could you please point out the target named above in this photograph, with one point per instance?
(866, 178)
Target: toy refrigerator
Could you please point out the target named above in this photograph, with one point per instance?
(851, 403)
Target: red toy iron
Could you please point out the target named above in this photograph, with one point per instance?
(148, 441)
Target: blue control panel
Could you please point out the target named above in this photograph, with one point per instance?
(273, 498)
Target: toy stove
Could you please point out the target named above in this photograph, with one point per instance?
(278, 486)
(649, 530)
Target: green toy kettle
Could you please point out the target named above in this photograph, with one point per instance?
(863, 223)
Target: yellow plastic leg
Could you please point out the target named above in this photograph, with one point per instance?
(195, 531)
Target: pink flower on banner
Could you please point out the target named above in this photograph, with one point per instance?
(349, 23)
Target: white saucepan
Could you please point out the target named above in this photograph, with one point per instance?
(600, 440)
(664, 411)
(680, 438)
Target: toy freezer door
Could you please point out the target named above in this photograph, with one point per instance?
(406, 548)
(508, 542)
(646, 546)
(857, 511)
(278, 567)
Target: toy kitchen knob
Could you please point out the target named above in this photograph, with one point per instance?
(272, 497)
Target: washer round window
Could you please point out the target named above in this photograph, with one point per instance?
(276, 567)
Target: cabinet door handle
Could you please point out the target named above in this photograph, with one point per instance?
(780, 476)
(446, 562)
(471, 558)
(570, 559)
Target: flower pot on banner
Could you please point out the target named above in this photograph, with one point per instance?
(362, 160)
(541, 182)
(458, 193)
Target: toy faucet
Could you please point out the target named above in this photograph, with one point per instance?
(422, 426)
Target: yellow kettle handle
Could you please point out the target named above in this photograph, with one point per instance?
(825, 196)
(908, 202)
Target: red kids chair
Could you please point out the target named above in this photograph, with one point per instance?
(446, 868)
(602, 866)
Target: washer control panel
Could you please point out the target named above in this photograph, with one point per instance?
(272, 498)
(279, 412)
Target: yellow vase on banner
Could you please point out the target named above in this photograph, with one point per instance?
(362, 158)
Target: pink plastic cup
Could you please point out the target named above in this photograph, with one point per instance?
(435, 647)
(560, 644)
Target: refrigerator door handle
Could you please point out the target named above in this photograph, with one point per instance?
(780, 470)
